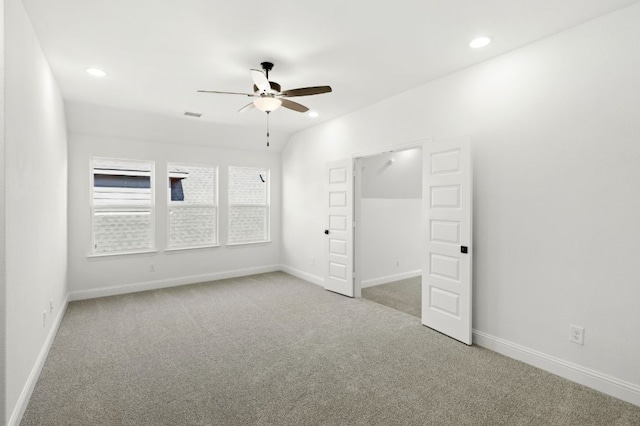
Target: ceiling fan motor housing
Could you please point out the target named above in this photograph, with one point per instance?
(275, 87)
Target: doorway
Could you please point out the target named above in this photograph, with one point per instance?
(388, 245)
(444, 232)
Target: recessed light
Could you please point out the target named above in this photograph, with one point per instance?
(313, 114)
(96, 72)
(479, 42)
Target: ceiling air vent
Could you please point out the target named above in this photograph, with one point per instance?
(192, 114)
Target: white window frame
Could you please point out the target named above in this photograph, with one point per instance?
(92, 208)
(216, 205)
(267, 206)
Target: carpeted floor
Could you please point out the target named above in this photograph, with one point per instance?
(274, 350)
(403, 295)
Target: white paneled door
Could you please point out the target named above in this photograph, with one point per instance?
(339, 230)
(446, 265)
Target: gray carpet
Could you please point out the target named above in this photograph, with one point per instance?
(274, 350)
(403, 295)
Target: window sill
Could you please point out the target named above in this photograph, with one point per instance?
(121, 253)
(174, 249)
(252, 243)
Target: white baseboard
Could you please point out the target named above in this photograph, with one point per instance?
(302, 275)
(576, 373)
(27, 390)
(390, 278)
(170, 282)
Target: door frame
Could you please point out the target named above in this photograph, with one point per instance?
(357, 202)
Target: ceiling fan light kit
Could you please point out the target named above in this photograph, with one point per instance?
(269, 96)
(267, 103)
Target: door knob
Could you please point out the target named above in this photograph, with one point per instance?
(326, 232)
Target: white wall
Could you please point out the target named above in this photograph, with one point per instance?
(3, 252)
(555, 131)
(36, 203)
(178, 129)
(390, 239)
(392, 174)
(390, 221)
(97, 276)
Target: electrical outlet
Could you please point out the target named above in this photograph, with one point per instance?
(152, 267)
(51, 306)
(576, 334)
(397, 263)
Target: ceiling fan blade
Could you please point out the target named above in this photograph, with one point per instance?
(247, 107)
(294, 105)
(306, 91)
(260, 80)
(226, 93)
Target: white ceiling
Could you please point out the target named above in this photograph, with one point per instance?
(159, 52)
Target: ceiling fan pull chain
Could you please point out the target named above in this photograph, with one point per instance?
(268, 128)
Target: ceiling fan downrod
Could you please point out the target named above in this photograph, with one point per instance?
(266, 66)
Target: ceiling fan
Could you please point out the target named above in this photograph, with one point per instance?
(268, 94)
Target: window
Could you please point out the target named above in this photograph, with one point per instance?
(193, 206)
(248, 205)
(121, 206)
